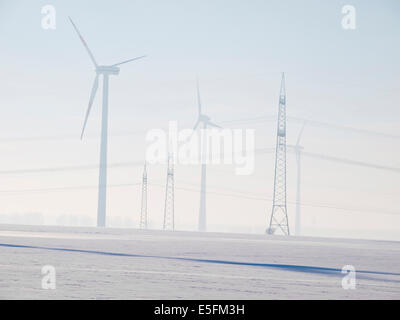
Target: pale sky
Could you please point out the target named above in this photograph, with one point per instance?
(238, 49)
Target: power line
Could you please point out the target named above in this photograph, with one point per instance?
(235, 194)
(66, 137)
(69, 168)
(334, 159)
(243, 195)
(314, 123)
(350, 162)
(56, 189)
(345, 128)
(266, 118)
(139, 163)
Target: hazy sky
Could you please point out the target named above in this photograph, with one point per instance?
(238, 50)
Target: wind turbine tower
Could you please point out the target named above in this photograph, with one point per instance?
(169, 218)
(279, 217)
(105, 71)
(205, 121)
(298, 150)
(143, 211)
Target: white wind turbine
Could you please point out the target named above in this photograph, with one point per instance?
(298, 149)
(206, 121)
(106, 71)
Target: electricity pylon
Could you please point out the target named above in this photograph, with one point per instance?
(143, 211)
(279, 218)
(169, 222)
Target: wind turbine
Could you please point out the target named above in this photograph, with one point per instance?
(105, 71)
(205, 121)
(298, 149)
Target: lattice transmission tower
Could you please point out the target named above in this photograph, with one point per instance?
(279, 217)
(169, 222)
(143, 211)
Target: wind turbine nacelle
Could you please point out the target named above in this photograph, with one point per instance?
(107, 70)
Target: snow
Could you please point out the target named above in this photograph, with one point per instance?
(94, 263)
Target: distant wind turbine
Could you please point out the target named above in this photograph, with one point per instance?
(298, 149)
(106, 71)
(206, 121)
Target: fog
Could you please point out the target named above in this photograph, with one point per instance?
(343, 83)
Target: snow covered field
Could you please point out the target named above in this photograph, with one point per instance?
(93, 263)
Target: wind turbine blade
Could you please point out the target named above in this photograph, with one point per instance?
(196, 125)
(84, 43)
(194, 129)
(212, 124)
(92, 95)
(300, 134)
(198, 97)
(123, 62)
